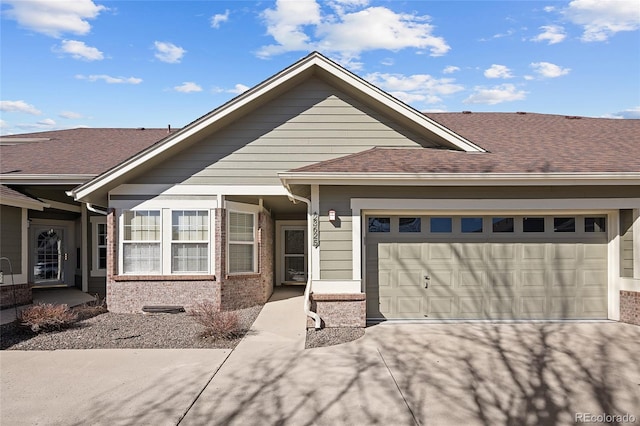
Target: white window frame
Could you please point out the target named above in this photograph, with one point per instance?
(233, 207)
(96, 271)
(122, 241)
(171, 242)
(166, 207)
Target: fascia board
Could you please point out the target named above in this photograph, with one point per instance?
(23, 203)
(466, 179)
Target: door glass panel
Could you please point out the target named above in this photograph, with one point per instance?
(410, 224)
(294, 269)
(294, 241)
(48, 265)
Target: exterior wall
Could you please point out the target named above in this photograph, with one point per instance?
(15, 295)
(312, 122)
(630, 307)
(241, 291)
(11, 241)
(339, 310)
(626, 243)
(336, 238)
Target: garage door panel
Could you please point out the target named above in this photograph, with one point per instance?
(594, 278)
(562, 252)
(500, 307)
(534, 251)
(594, 251)
(594, 306)
(533, 306)
(503, 278)
(503, 251)
(534, 279)
(409, 306)
(439, 251)
(471, 251)
(564, 278)
(410, 251)
(441, 307)
(471, 307)
(471, 279)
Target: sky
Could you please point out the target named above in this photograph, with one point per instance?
(91, 63)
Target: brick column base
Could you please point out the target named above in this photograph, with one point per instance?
(339, 310)
(630, 307)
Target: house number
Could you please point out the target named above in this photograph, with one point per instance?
(316, 232)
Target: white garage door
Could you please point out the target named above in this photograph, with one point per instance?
(489, 267)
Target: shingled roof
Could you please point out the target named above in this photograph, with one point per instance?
(86, 151)
(516, 143)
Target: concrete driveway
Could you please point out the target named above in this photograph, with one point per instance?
(397, 374)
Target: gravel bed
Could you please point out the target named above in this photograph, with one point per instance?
(119, 331)
(332, 336)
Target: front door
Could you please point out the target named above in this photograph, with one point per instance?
(49, 255)
(294, 254)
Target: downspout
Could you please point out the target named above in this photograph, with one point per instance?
(307, 289)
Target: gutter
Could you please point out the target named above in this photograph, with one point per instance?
(307, 289)
(95, 210)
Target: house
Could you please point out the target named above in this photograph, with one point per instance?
(317, 177)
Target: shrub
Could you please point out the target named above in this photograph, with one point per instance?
(217, 324)
(47, 317)
(91, 309)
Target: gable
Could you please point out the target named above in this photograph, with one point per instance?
(310, 123)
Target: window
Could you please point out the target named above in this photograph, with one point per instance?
(410, 224)
(471, 224)
(99, 249)
(564, 224)
(379, 224)
(241, 242)
(141, 242)
(533, 224)
(189, 241)
(502, 224)
(594, 224)
(441, 224)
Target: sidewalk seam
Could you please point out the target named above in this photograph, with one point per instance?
(415, 420)
(203, 388)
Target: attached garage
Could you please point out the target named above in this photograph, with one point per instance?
(486, 267)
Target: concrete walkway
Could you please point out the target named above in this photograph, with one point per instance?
(63, 295)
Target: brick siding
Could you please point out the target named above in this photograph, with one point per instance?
(130, 293)
(21, 296)
(339, 310)
(630, 307)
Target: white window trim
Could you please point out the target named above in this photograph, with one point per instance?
(170, 242)
(166, 207)
(233, 207)
(96, 271)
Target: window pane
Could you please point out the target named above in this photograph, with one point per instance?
(189, 225)
(564, 224)
(471, 224)
(142, 225)
(141, 258)
(379, 224)
(502, 224)
(533, 224)
(294, 269)
(410, 224)
(192, 257)
(102, 234)
(441, 224)
(240, 226)
(594, 224)
(102, 258)
(240, 258)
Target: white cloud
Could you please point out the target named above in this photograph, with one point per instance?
(4, 124)
(188, 87)
(495, 95)
(549, 8)
(219, 18)
(415, 88)
(633, 113)
(302, 26)
(54, 18)
(47, 122)
(551, 33)
(70, 115)
(549, 70)
(601, 19)
(79, 50)
(19, 106)
(498, 71)
(450, 69)
(238, 89)
(168, 52)
(108, 79)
